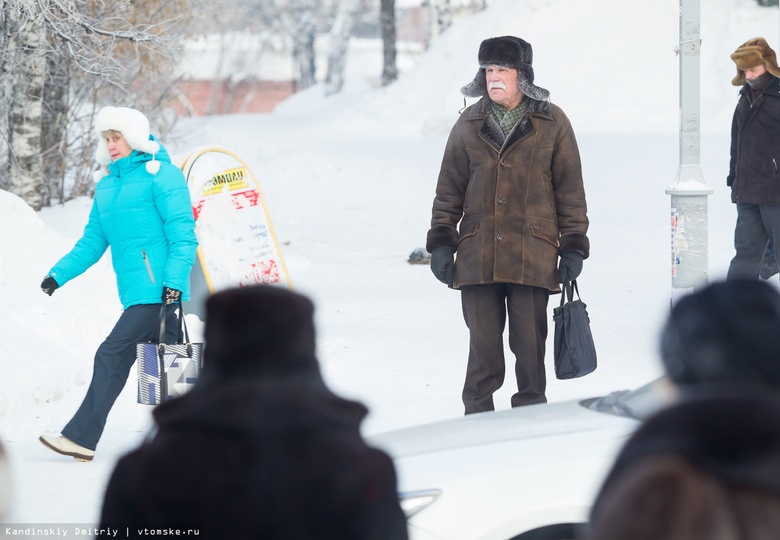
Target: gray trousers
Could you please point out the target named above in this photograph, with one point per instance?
(485, 310)
(756, 223)
(113, 360)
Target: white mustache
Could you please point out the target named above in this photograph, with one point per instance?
(496, 84)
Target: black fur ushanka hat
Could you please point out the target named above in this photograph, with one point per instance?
(259, 330)
(727, 332)
(507, 51)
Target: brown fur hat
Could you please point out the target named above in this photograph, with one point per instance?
(752, 53)
(507, 51)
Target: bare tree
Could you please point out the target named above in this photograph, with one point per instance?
(58, 60)
(440, 14)
(301, 21)
(304, 37)
(339, 42)
(443, 14)
(26, 67)
(389, 64)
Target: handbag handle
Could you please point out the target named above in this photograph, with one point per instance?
(569, 288)
(183, 333)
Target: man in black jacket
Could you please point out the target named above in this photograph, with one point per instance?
(755, 156)
(260, 448)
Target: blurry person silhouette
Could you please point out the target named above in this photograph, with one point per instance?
(726, 334)
(705, 468)
(260, 447)
(708, 464)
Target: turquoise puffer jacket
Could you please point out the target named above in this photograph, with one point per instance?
(147, 221)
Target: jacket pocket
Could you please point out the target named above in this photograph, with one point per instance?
(468, 228)
(545, 230)
(148, 264)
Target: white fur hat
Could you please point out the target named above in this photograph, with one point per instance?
(134, 127)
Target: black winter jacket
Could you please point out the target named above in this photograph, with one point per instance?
(271, 458)
(755, 147)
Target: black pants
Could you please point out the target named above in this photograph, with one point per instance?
(485, 310)
(113, 360)
(756, 223)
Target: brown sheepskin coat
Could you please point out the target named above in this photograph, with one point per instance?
(510, 207)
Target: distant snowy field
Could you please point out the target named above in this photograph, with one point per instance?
(349, 182)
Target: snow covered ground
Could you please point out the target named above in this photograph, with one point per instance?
(349, 182)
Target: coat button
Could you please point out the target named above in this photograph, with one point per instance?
(503, 163)
(500, 237)
(500, 200)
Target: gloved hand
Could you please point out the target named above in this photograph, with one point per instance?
(570, 266)
(443, 263)
(48, 285)
(171, 296)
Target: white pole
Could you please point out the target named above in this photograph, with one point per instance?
(689, 193)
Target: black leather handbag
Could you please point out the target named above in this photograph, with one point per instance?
(574, 350)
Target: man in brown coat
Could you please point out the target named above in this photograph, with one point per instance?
(755, 152)
(510, 201)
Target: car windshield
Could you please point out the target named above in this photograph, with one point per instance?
(639, 403)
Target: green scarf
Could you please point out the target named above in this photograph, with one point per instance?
(508, 118)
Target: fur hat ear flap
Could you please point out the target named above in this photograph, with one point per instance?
(477, 87)
(525, 79)
(753, 53)
(101, 155)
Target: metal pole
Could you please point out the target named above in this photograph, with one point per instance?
(689, 193)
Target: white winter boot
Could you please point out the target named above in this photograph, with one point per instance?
(66, 447)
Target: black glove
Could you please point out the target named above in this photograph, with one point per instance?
(570, 266)
(443, 263)
(48, 285)
(171, 296)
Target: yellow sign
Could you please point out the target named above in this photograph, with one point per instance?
(233, 179)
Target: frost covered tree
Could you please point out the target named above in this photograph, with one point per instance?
(340, 33)
(444, 14)
(300, 21)
(23, 75)
(387, 20)
(440, 14)
(304, 57)
(59, 60)
(291, 25)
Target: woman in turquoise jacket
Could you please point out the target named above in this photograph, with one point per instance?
(142, 211)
